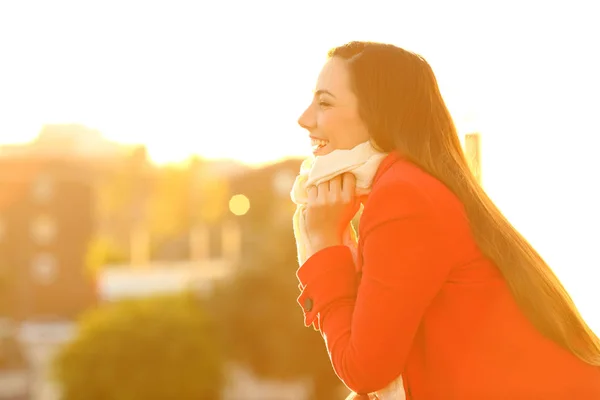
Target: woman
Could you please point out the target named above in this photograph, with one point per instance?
(443, 293)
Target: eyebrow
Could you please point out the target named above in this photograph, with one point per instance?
(323, 91)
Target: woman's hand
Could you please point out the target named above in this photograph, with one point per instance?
(331, 206)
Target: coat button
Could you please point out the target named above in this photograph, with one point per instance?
(308, 304)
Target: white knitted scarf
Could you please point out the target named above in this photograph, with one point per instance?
(362, 161)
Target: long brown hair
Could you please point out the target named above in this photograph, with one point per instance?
(400, 101)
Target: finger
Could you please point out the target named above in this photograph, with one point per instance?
(348, 187)
(322, 193)
(312, 195)
(335, 189)
(349, 180)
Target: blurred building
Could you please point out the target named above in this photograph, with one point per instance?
(46, 220)
(52, 194)
(269, 205)
(50, 213)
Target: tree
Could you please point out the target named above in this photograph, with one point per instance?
(151, 349)
(262, 323)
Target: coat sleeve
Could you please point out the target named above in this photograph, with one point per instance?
(369, 326)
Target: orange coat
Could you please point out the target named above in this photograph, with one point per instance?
(421, 300)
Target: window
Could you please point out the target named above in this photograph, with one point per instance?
(42, 189)
(44, 268)
(43, 229)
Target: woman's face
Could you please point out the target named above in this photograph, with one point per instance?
(332, 118)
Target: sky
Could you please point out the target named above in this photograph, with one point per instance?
(229, 79)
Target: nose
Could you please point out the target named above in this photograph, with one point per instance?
(307, 119)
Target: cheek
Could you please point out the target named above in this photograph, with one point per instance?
(339, 127)
(346, 130)
(328, 124)
(357, 131)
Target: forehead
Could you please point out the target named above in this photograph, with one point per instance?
(335, 77)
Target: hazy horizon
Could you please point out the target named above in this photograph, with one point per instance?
(217, 80)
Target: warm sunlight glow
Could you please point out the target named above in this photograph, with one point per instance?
(180, 80)
(239, 204)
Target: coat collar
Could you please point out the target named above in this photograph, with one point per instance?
(386, 164)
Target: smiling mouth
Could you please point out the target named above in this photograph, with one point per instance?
(318, 144)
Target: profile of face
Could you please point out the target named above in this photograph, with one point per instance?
(332, 119)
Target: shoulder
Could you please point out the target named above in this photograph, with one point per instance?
(404, 190)
(405, 174)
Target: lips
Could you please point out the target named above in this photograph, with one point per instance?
(317, 144)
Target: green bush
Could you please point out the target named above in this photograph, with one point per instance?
(152, 349)
(262, 324)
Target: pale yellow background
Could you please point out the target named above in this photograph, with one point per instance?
(229, 79)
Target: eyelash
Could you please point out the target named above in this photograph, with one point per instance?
(324, 104)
